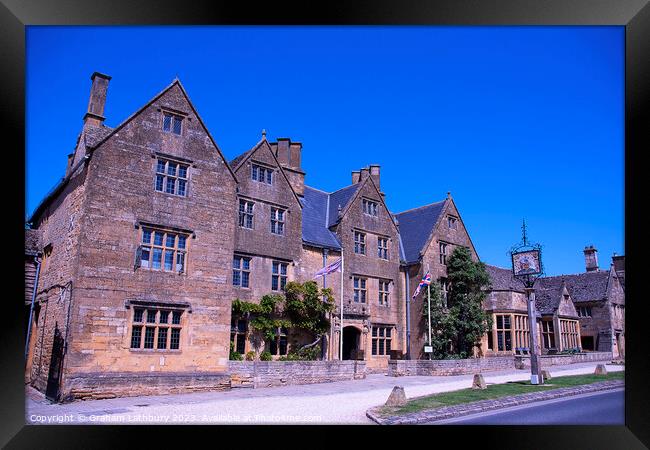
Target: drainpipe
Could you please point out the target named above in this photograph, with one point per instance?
(408, 315)
(323, 354)
(31, 308)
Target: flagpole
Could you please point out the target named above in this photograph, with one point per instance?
(341, 332)
(429, 301)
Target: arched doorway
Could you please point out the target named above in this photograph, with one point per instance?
(351, 337)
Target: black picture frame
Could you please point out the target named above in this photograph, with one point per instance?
(633, 14)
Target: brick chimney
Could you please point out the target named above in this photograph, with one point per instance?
(289, 155)
(95, 115)
(356, 176)
(591, 258)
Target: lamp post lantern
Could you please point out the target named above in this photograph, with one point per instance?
(527, 268)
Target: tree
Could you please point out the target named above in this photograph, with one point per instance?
(468, 282)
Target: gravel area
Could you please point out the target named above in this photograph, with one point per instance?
(344, 402)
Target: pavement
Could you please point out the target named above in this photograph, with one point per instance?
(342, 402)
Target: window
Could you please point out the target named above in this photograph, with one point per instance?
(278, 345)
(548, 334)
(156, 328)
(359, 290)
(245, 214)
(172, 123)
(452, 222)
(522, 336)
(277, 221)
(444, 290)
(382, 248)
(241, 271)
(162, 250)
(569, 334)
(238, 328)
(171, 177)
(584, 311)
(359, 243)
(381, 340)
(383, 292)
(370, 207)
(261, 174)
(279, 276)
(504, 333)
(443, 253)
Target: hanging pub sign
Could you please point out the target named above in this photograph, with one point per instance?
(526, 262)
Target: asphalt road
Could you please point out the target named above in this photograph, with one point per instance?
(602, 408)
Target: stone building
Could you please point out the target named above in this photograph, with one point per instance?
(135, 257)
(585, 311)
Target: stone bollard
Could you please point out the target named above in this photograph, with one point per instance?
(600, 370)
(546, 375)
(479, 382)
(397, 397)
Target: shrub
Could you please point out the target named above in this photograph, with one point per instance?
(235, 356)
(265, 356)
(250, 356)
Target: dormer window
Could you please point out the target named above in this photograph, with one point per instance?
(172, 123)
(262, 174)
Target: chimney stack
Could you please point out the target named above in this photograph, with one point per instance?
(95, 115)
(374, 173)
(289, 155)
(591, 258)
(356, 176)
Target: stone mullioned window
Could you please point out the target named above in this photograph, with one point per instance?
(360, 289)
(246, 214)
(382, 248)
(370, 208)
(277, 221)
(156, 329)
(162, 250)
(261, 174)
(278, 276)
(171, 177)
(384, 292)
(381, 340)
(241, 271)
(359, 243)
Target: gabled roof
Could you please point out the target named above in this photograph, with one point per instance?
(239, 160)
(314, 220)
(416, 226)
(340, 198)
(95, 136)
(502, 279)
(583, 287)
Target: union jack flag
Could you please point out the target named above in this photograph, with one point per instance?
(426, 281)
(334, 267)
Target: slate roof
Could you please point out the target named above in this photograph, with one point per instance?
(548, 294)
(415, 226)
(502, 279)
(235, 162)
(583, 287)
(314, 220)
(340, 198)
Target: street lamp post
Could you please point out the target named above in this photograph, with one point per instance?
(527, 268)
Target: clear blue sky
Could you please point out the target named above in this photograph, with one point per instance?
(514, 121)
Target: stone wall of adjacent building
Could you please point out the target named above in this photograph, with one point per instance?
(365, 316)
(101, 385)
(523, 362)
(431, 258)
(119, 200)
(254, 374)
(424, 367)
